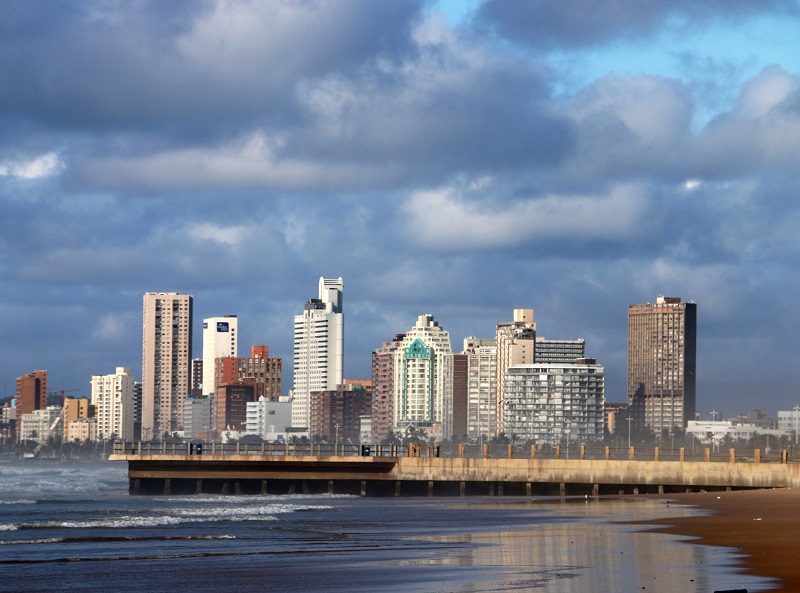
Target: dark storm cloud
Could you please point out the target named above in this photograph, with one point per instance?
(580, 23)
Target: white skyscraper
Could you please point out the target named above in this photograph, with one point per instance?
(220, 339)
(112, 396)
(318, 348)
(423, 378)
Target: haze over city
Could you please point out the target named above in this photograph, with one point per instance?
(456, 161)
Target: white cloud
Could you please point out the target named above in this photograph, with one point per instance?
(41, 166)
(231, 236)
(443, 218)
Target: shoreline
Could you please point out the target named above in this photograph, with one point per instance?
(761, 525)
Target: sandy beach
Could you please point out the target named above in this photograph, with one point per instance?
(764, 525)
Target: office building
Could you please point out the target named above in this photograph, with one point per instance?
(382, 418)
(229, 408)
(166, 362)
(555, 403)
(481, 410)
(220, 339)
(197, 420)
(31, 392)
(40, 425)
(318, 348)
(113, 401)
(516, 344)
(336, 414)
(662, 349)
(265, 374)
(270, 420)
(423, 379)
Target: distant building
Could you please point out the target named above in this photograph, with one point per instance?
(662, 346)
(270, 420)
(220, 339)
(41, 425)
(555, 403)
(265, 374)
(166, 362)
(76, 409)
(197, 376)
(382, 420)
(458, 427)
(336, 414)
(559, 351)
(423, 378)
(318, 348)
(81, 430)
(31, 392)
(230, 406)
(481, 410)
(714, 433)
(197, 420)
(516, 344)
(113, 400)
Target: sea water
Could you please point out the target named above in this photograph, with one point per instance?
(73, 527)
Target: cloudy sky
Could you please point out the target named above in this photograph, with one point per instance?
(455, 158)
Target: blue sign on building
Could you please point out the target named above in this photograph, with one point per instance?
(222, 326)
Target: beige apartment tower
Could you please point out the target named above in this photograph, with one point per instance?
(516, 344)
(166, 362)
(662, 347)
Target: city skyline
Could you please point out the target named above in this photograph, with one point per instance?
(454, 158)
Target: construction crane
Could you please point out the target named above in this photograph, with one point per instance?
(62, 394)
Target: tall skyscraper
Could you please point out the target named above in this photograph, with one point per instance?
(166, 362)
(481, 387)
(383, 388)
(423, 378)
(31, 393)
(220, 339)
(113, 400)
(318, 348)
(516, 344)
(662, 348)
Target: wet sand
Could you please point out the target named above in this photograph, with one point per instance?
(763, 525)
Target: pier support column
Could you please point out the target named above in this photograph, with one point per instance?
(528, 489)
(491, 488)
(430, 487)
(558, 451)
(595, 489)
(292, 487)
(533, 451)
(707, 454)
(562, 489)
(398, 487)
(330, 486)
(500, 489)
(198, 488)
(167, 485)
(237, 486)
(263, 487)
(462, 489)
(608, 452)
(683, 454)
(305, 486)
(363, 487)
(224, 487)
(636, 490)
(657, 454)
(134, 486)
(661, 488)
(583, 452)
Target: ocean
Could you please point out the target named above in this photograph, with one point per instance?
(73, 527)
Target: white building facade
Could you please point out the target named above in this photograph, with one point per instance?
(555, 403)
(113, 399)
(270, 420)
(41, 425)
(318, 348)
(423, 378)
(481, 387)
(220, 339)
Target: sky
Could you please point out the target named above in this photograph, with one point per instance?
(461, 159)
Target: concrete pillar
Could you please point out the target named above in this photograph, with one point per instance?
(213, 448)
(595, 489)
(238, 448)
(657, 454)
(784, 456)
(305, 486)
(683, 454)
(608, 452)
(462, 488)
(263, 487)
(661, 488)
(707, 454)
(500, 489)
(398, 486)
(562, 488)
(292, 486)
(528, 489)
(632, 453)
(491, 488)
(224, 487)
(430, 487)
(363, 487)
(558, 451)
(533, 451)
(330, 486)
(134, 486)
(486, 451)
(583, 452)
(510, 451)
(167, 485)
(621, 491)
(198, 488)
(636, 490)
(733, 455)
(728, 488)
(757, 456)
(237, 485)
(461, 450)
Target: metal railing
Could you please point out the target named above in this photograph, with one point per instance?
(575, 452)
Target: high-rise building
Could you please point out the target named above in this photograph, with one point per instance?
(662, 347)
(265, 374)
(423, 378)
(113, 401)
(382, 421)
(318, 348)
(166, 362)
(516, 344)
(220, 339)
(481, 387)
(555, 351)
(336, 414)
(555, 403)
(31, 393)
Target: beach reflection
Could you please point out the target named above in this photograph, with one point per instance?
(597, 553)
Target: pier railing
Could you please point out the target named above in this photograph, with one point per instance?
(577, 452)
